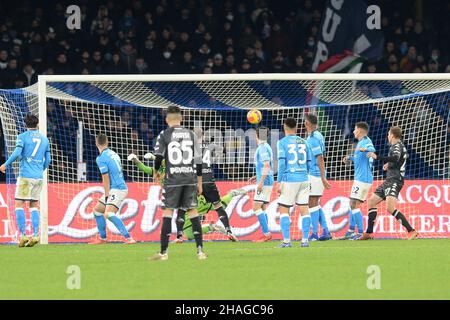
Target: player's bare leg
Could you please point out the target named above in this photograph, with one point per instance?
(391, 203)
(374, 200)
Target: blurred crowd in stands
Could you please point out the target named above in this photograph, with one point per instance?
(199, 36)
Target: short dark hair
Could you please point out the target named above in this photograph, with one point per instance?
(173, 110)
(262, 133)
(311, 118)
(290, 123)
(362, 125)
(102, 139)
(31, 121)
(396, 132)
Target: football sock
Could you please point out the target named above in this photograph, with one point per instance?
(371, 220)
(197, 229)
(262, 221)
(166, 230)
(323, 220)
(20, 217)
(118, 223)
(314, 213)
(34, 212)
(357, 217)
(352, 222)
(306, 223)
(101, 224)
(180, 223)
(285, 224)
(224, 218)
(402, 219)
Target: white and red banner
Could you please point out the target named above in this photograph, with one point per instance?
(425, 202)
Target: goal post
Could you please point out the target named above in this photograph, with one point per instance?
(130, 110)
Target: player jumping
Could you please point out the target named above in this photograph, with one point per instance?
(33, 151)
(179, 148)
(116, 191)
(210, 191)
(363, 178)
(395, 163)
(203, 205)
(317, 178)
(264, 179)
(294, 157)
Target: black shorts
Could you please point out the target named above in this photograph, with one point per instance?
(389, 188)
(180, 197)
(211, 193)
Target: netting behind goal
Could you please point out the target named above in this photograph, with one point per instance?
(132, 114)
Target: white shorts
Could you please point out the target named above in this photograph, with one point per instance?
(264, 195)
(316, 186)
(115, 198)
(360, 190)
(294, 192)
(28, 189)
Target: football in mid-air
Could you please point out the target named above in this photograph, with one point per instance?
(254, 116)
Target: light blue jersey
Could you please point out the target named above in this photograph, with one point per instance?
(317, 143)
(33, 150)
(363, 165)
(109, 162)
(262, 154)
(294, 159)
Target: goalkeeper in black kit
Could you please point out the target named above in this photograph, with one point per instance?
(395, 163)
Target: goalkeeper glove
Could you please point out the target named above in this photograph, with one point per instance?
(149, 156)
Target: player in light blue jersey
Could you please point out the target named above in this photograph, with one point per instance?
(363, 178)
(33, 150)
(317, 178)
(116, 191)
(294, 158)
(264, 181)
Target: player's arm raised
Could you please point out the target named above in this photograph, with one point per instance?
(142, 167)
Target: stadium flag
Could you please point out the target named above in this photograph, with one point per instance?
(345, 40)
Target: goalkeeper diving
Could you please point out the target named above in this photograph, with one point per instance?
(184, 226)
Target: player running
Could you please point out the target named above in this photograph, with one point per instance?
(264, 180)
(363, 178)
(210, 191)
(116, 191)
(33, 151)
(203, 205)
(317, 178)
(294, 157)
(179, 148)
(395, 163)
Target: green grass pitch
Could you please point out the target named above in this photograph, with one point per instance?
(417, 269)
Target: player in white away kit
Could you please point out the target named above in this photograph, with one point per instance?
(33, 150)
(264, 179)
(115, 191)
(363, 178)
(317, 178)
(294, 158)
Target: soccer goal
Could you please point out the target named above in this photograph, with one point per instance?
(130, 110)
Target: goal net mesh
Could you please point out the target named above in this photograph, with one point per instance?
(132, 114)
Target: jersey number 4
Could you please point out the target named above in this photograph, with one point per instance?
(301, 150)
